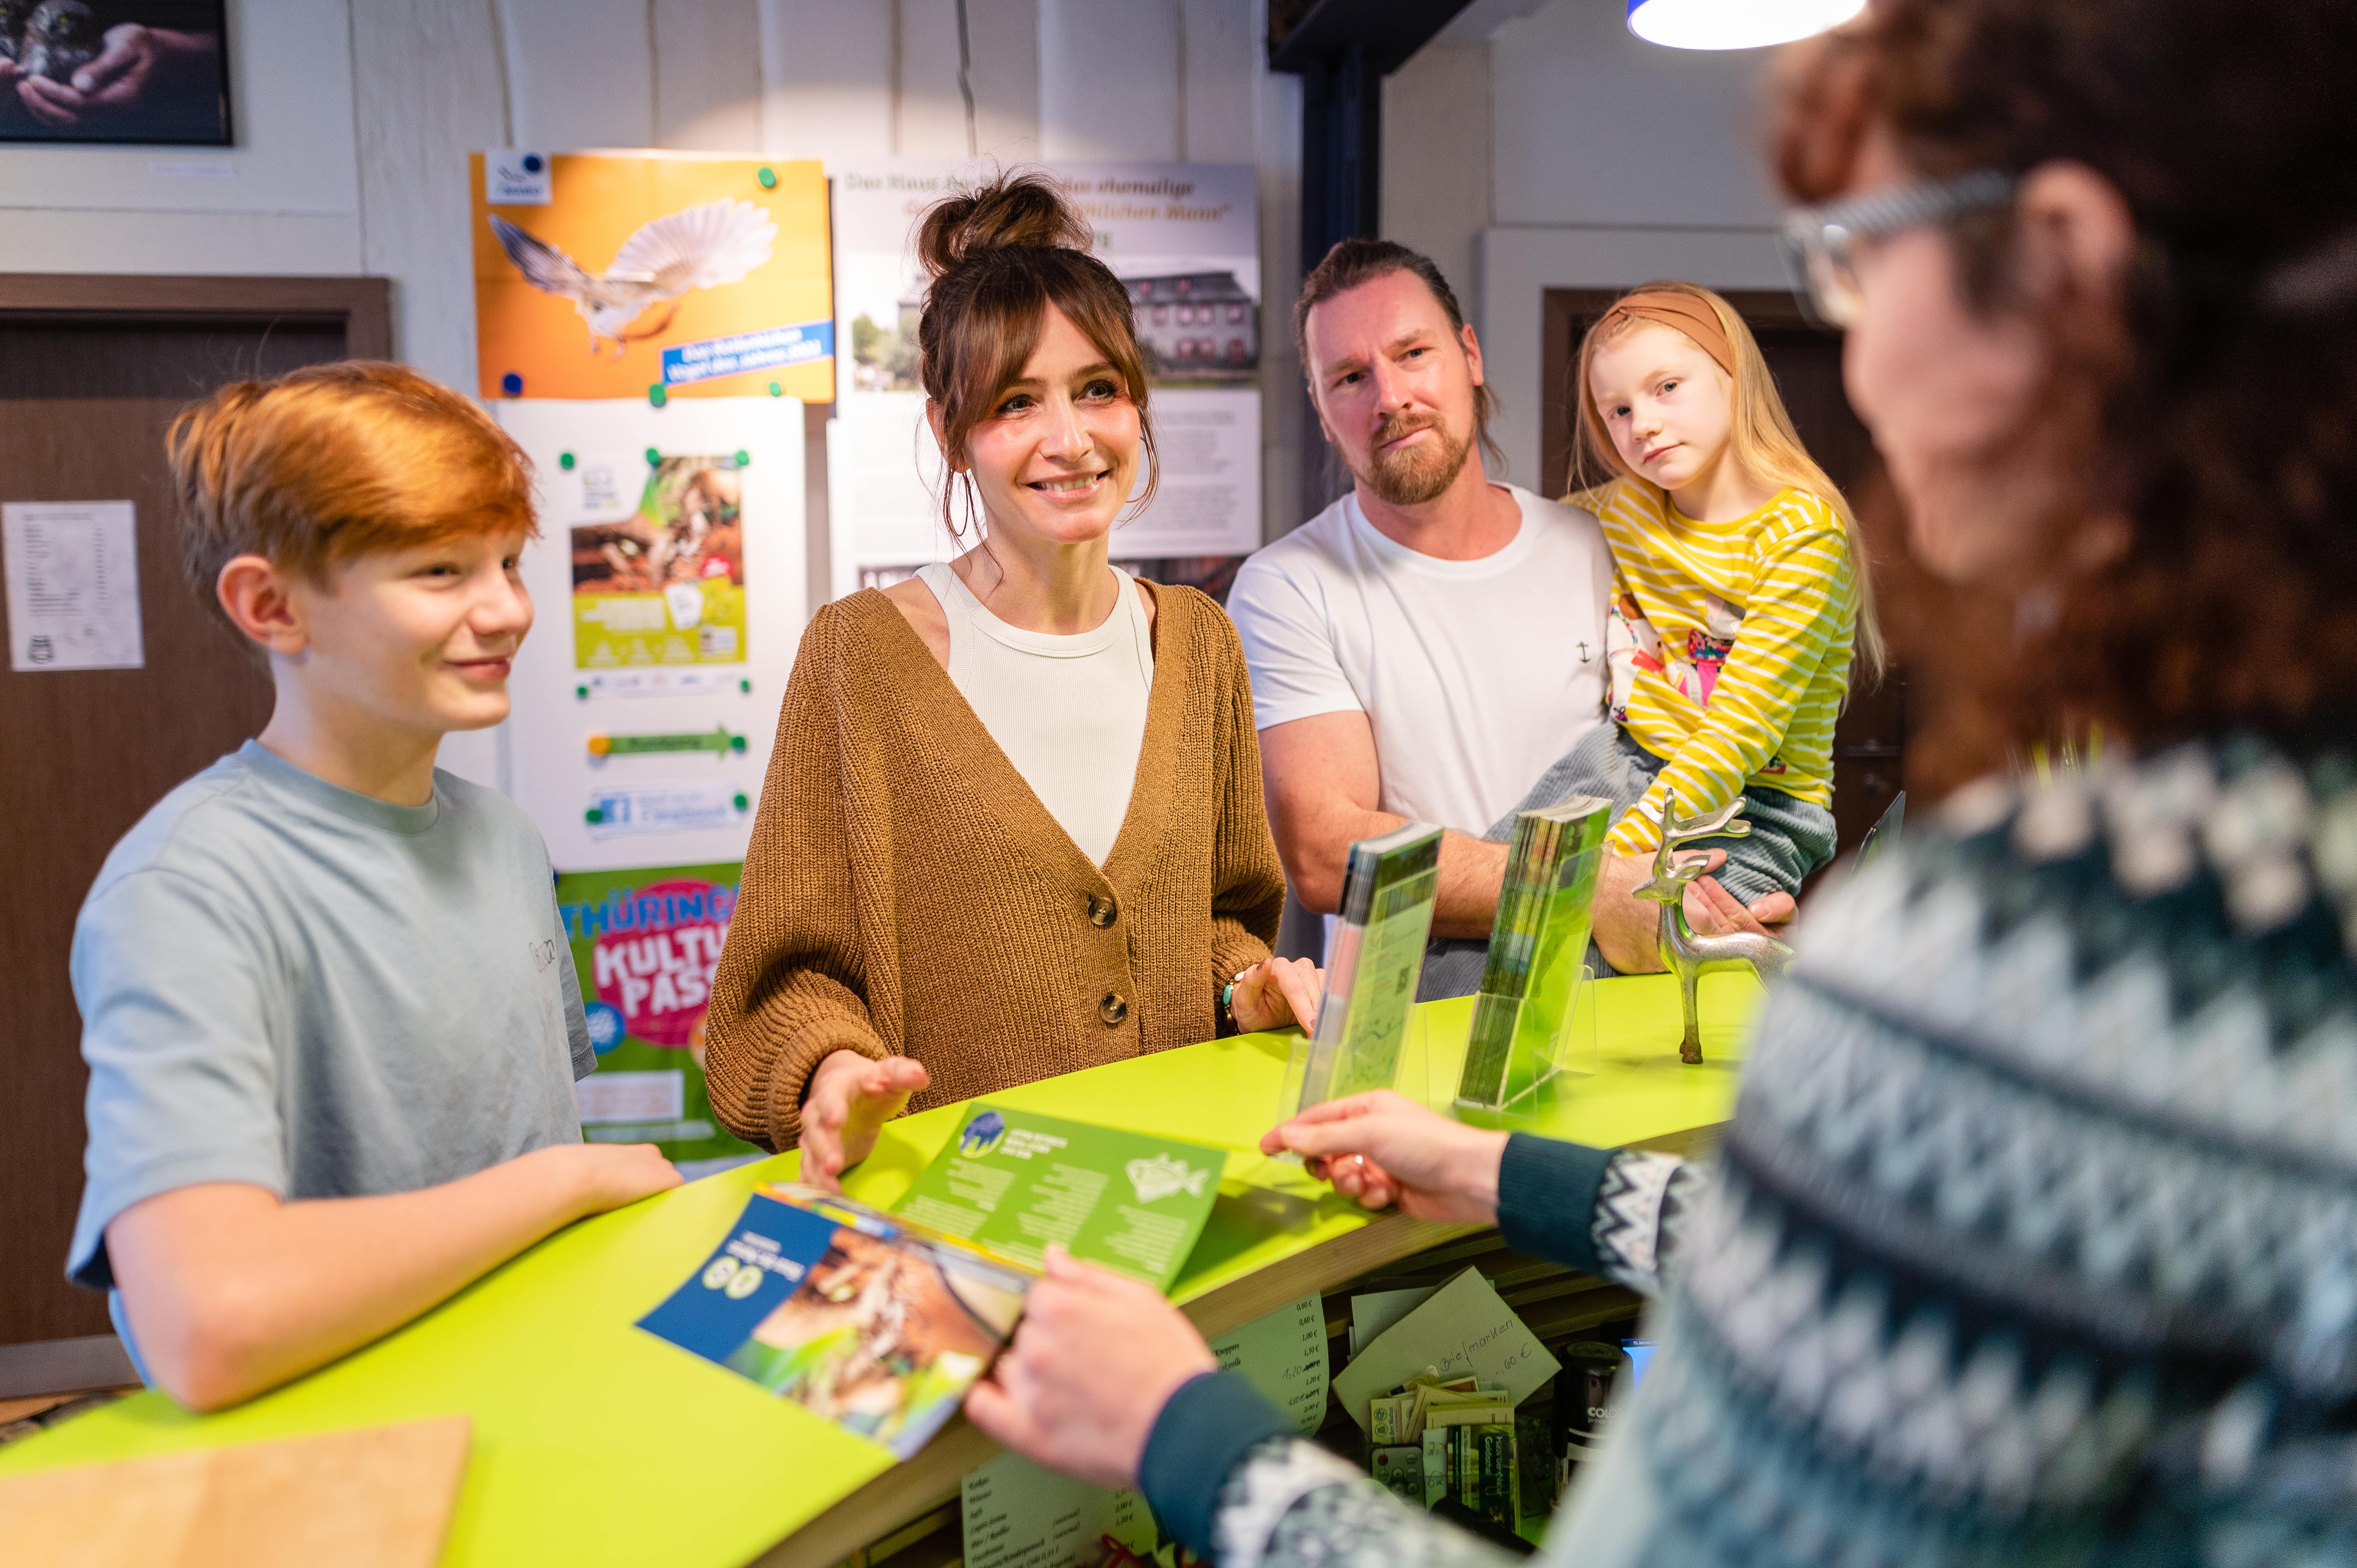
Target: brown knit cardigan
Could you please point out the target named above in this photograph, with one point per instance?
(906, 894)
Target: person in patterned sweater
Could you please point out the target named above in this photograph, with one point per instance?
(2034, 1236)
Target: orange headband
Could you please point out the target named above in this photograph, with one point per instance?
(1681, 312)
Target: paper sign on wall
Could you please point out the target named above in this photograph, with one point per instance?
(74, 585)
(1184, 239)
(620, 274)
(664, 584)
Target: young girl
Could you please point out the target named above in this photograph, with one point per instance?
(1739, 597)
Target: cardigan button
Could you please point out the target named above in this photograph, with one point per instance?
(1112, 1009)
(1103, 912)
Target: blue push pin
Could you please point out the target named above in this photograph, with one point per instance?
(511, 384)
(532, 163)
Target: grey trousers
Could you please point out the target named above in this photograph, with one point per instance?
(1790, 838)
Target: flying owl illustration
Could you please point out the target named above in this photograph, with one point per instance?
(701, 247)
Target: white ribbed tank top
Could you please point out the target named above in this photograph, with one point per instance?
(1069, 712)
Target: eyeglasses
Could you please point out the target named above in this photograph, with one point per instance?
(1822, 244)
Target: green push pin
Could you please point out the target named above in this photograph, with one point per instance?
(736, 743)
(744, 686)
(767, 177)
(740, 802)
(777, 391)
(594, 816)
(582, 693)
(655, 459)
(564, 461)
(744, 458)
(657, 395)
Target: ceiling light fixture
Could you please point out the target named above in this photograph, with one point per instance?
(1735, 24)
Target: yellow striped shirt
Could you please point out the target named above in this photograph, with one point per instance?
(1729, 645)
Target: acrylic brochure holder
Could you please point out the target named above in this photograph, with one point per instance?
(1362, 1034)
(1534, 1017)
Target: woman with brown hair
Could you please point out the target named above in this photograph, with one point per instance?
(2034, 1236)
(1013, 825)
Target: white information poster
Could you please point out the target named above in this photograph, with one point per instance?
(669, 581)
(74, 585)
(1185, 238)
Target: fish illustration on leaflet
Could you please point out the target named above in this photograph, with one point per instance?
(1161, 1176)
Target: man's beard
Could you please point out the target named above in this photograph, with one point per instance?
(1417, 474)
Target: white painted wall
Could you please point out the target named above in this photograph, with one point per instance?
(355, 117)
(1540, 146)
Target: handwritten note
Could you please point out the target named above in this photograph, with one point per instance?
(1465, 1327)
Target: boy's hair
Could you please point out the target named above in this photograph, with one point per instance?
(333, 461)
(1760, 438)
(1354, 262)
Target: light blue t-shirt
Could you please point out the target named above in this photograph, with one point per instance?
(287, 983)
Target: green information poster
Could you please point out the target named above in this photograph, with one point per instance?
(645, 944)
(1015, 1181)
(665, 586)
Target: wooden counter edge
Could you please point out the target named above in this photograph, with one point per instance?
(931, 1479)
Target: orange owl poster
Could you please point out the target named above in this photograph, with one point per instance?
(650, 274)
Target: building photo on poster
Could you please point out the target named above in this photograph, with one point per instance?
(1185, 241)
(115, 70)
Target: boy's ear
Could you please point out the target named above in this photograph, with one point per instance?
(255, 594)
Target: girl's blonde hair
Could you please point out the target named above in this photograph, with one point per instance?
(1760, 438)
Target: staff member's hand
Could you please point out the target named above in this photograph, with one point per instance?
(850, 1100)
(1277, 992)
(1094, 1361)
(1383, 1148)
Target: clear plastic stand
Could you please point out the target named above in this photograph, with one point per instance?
(1553, 1038)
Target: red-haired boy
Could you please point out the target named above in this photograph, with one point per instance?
(330, 1016)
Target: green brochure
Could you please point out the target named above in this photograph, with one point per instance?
(1013, 1181)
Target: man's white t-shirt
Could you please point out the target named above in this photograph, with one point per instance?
(1475, 675)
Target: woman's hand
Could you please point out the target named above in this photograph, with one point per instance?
(1277, 992)
(1383, 1148)
(850, 1100)
(1094, 1361)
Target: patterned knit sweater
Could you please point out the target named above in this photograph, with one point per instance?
(906, 893)
(2034, 1240)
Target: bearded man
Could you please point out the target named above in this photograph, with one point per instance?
(1425, 648)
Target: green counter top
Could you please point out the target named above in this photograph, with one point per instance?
(594, 1443)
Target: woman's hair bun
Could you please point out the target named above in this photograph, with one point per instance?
(1012, 211)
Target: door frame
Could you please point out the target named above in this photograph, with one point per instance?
(362, 306)
(362, 309)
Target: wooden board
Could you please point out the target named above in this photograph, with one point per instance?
(376, 1497)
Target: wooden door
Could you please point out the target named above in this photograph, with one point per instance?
(1870, 739)
(92, 371)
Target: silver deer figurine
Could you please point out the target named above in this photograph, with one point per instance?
(1683, 953)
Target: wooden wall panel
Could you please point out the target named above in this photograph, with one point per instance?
(1215, 90)
(707, 75)
(580, 73)
(826, 78)
(433, 92)
(1109, 78)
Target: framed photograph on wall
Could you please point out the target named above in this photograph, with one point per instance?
(152, 72)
